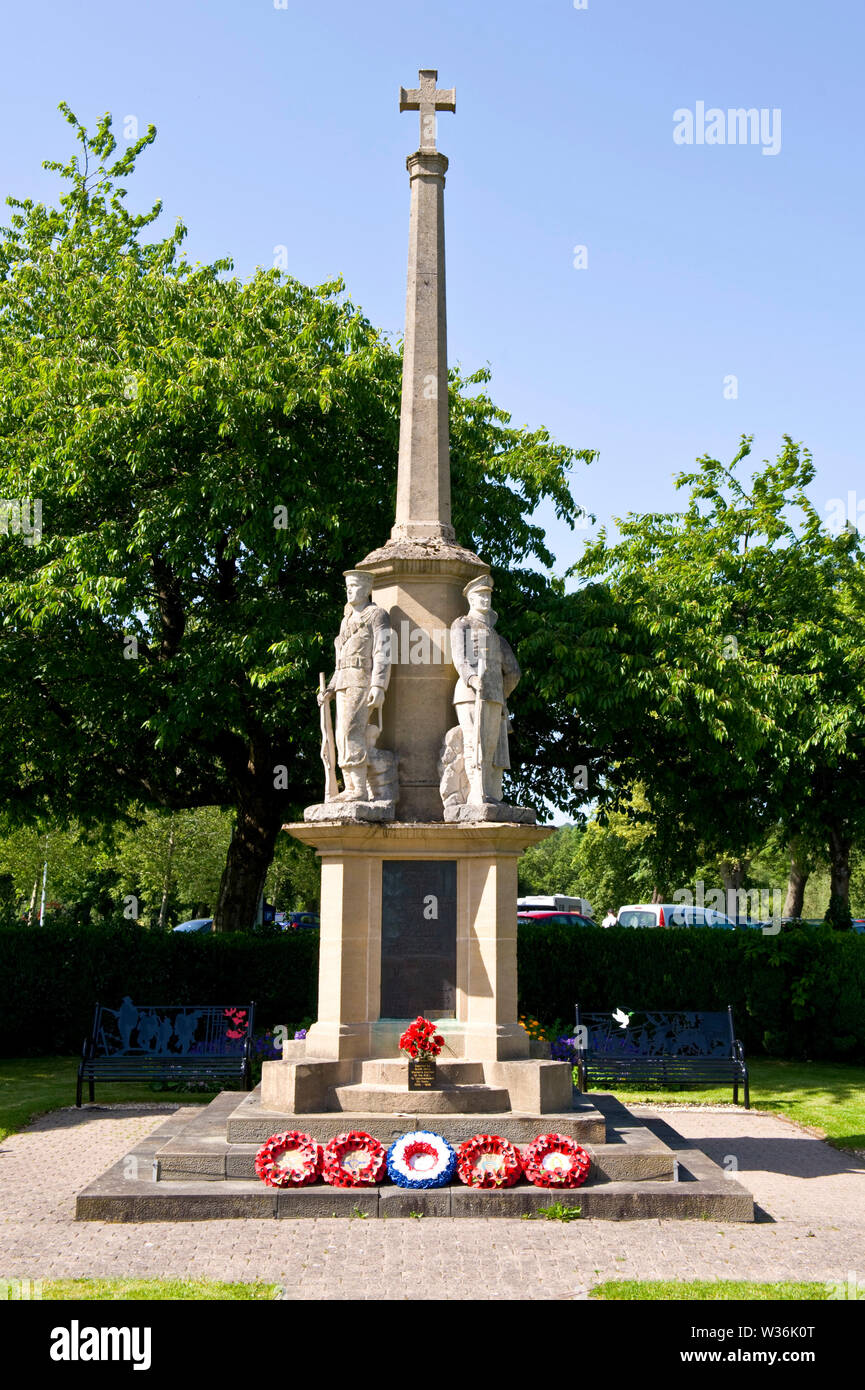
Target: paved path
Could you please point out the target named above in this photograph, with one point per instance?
(811, 1224)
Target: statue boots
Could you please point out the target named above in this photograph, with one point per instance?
(355, 784)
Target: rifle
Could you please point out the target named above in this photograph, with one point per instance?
(328, 748)
(482, 669)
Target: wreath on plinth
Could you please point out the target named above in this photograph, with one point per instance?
(421, 1159)
(487, 1160)
(291, 1159)
(353, 1159)
(554, 1160)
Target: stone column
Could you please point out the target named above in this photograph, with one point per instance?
(423, 502)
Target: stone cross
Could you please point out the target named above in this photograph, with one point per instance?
(427, 99)
(423, 497)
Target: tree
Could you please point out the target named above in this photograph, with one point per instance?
(210, 455)
(726, 671)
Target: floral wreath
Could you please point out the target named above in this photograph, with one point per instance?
(353, 1159)
(291, 1159)
(421, 1159)
(487, 1160)
(554, 1160)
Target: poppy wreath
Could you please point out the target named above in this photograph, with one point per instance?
(353, 1159)
(421, 1159)
(554, 1160)
(487, 1160)
(291, 1159)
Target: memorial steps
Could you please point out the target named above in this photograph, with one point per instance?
(198, 1165)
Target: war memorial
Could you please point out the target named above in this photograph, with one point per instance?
(419, 855)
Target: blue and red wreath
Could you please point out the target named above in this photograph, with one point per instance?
(421, 1159)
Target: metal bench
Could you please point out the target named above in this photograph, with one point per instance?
(173, 1043)
(656, 1048)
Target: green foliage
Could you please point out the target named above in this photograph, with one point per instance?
(294, 877)
(52, 977)
(603, 862)
(720, 666)
(796, 994)
(211, 455)
(557, 1211)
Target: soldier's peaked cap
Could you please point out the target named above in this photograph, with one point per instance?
(474, 586)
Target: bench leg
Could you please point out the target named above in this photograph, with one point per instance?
(735, 1090)
(747, 1093)
(92, 1090)
(78, 1091)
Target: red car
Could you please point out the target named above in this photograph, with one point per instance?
(557, 919)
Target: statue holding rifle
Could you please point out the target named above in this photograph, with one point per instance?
(358, 685)
(488, 674)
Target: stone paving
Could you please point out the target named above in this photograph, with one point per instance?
(811, 1223)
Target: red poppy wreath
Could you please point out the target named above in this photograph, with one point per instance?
(354, 1159)
(554, 1160)
(487, 1160)
(291, 1159)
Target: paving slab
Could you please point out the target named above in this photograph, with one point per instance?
(812, 1199)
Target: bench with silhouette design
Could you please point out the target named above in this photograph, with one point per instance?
(174, 1043)
(660, 1048)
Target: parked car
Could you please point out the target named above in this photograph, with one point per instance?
(674, 915)
(196, 924)
(295, 921)
(558, 919)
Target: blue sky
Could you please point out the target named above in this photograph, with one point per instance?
(281, 127)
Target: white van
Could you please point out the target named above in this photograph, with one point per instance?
(671, 915)
(559, 903)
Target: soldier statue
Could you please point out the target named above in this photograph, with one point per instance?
(488, 673)
(363, 660)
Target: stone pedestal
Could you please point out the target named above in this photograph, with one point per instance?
(472, 925)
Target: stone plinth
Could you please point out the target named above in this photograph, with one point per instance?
(482, 1025)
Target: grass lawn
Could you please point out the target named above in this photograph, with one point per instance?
(829, 1096)
(700, 1291)
(31, 1085)
(154, 1290)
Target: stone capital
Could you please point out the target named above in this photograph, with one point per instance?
(427, 164)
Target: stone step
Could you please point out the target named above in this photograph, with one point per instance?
(398, 1100)
(251, 1123)
(391, 1071)
(117, 1197)
(187, 1170)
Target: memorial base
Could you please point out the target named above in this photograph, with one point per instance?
(418, 918)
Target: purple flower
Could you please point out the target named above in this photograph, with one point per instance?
(300, 1035)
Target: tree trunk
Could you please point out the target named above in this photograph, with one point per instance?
(799, 873)
(166, 885)
(838, 912)
(249, 857)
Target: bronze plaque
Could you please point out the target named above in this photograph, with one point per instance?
(418, 938)
(422, 1074)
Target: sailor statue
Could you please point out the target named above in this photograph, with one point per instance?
(488, 673)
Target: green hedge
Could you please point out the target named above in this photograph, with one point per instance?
(51, 977)
(798, 994)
